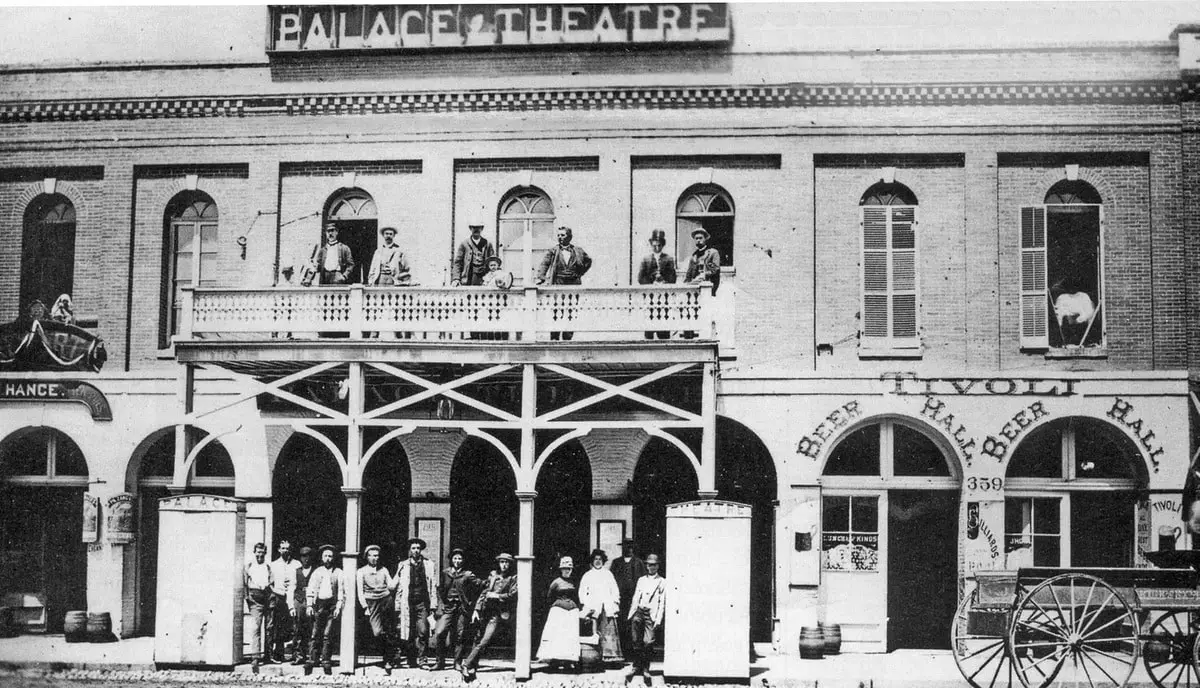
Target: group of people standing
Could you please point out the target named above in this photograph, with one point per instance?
(616, 608)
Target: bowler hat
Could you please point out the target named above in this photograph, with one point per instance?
(658, 235)
(700, 230)
(306, 551)
(417, 541)
(628, 542)
(504, 556)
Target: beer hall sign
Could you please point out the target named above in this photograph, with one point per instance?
(392, 27)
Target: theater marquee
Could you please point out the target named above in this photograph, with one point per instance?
(391, 27)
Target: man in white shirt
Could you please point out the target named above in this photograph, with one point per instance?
(388, 266)
(282, 609)
(256, 578)
(373, 585)
(645, 616)
(326, 597)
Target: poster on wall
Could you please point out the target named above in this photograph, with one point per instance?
(91, 518)
(120, 519)
(430, 530)
(609, 535)
(850, 551)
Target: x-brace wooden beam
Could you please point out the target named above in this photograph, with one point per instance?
(276, 389)
(625, 390)
(433, 389)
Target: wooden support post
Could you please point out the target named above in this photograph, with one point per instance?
(708, 435)
(526, 495)
(186, 393)
(348, 652)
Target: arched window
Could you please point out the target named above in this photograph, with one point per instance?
(890, 307)
(42, 456)
(47, 250)
(191, 253)
(525, 219)
(211, 472)
(1071, 496)
(709, 207)
(354, 213)
(1062, 269)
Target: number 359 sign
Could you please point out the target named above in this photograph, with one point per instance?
(984, 488)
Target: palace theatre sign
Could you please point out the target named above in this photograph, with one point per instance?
(392, 27)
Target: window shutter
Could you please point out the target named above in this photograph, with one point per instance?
(1034, 315)
(889, 277)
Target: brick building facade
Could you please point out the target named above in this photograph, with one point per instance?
(881, 374)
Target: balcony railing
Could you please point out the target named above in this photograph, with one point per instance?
(529, 314)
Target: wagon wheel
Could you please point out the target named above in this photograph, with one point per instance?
(978, 639)
(1074, 628)
(1168, 650)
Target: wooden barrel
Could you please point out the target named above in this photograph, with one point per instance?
(832, 634)
(75, 627)
(812, 643)
(99, 627)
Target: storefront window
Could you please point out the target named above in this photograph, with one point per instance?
(850, 539)
(192, 246)
(708, 207)
(526, 230)
(1062, 276)
(1032, 532)
(890, 294)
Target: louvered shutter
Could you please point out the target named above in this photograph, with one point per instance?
(889, 277)
(1034, 315)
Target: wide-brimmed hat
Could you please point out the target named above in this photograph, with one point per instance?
(504, 556)
(497, 260)
(385, 230)
(652, 559)
(418, 541)
(658, 235)
(628, 542)
(700, 230)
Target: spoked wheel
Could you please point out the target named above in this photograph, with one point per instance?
(1073, 630)
(1168, 650)
(978, 639)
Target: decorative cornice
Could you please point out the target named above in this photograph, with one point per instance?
(608, 98)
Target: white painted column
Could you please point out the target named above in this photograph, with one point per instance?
(348, 652)
(525, 495)
(708, 434)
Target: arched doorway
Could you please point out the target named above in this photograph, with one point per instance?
(47, 250)
(746, 474)
(43, 477)
(1071, 494)
(889, 521)
(354, 213)
(307, 506)
(387, 487)
(525, 227)
(662, 476)
(211, 473)
(561, 520)
(483, 504)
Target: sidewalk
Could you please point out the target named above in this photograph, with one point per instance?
(130, 660)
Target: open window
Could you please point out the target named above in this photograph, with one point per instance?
(890, 308)
(1062, 270)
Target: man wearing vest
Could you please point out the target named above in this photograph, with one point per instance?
(566, 263)
(416, 594)
(470, 259)
(627, 569)
(283, 613)
(256, 577)
(326, 597)
(299, 607)
(496, 605)
(646, 616)
(374, 588)
(457, 589)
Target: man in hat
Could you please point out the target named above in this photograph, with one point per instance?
(456, 590)
(326, 597)
(388, 266)
(704, 265)
(566, 263)
(470, 258)
(657, 268)
(627, 569)
(496, 605)
(332, 262)
(299, 607)
(645, 617)
(256, 577)
(416, 594)
(283, 588)
(373, 585)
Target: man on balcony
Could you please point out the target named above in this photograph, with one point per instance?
(333, 261)
(564, 264)
(657, 268)
(389, 266)
(470, 259)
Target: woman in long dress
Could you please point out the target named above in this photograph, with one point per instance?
(601, 600)
(560, 635)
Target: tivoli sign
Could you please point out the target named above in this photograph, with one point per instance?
(391, 27)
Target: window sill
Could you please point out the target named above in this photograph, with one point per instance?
(881, 352)
(1094, 352)
(166, 354)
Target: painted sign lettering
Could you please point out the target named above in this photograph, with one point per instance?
(1122, 412)
(935, 411)
(810, 445)
(908, 383)
(997, 447)
(61, 390)
(392, 27)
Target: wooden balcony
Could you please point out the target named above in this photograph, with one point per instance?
(441, 316)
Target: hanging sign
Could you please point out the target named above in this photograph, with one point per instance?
(91, 518)
(120, 526)
(392, 27)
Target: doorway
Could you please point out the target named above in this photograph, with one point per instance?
(387, 486)
(561, 521)
(354, 213)
(662, 476)
(483, 505)
(922, 568)
(307, 505)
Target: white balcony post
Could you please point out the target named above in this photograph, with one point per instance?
(708, 310)
(529, 314)
(708, 433)
(189, 311)
(356, 311)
